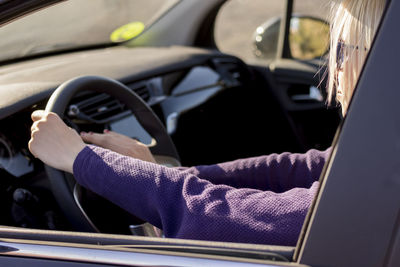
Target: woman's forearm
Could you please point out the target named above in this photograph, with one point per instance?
(276, 172)
(185, 206)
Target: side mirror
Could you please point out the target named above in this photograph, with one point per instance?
(308, 38)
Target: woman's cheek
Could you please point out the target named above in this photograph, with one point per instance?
(339, 91)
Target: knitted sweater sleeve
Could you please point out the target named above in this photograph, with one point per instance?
(275, 172)
(185, 206)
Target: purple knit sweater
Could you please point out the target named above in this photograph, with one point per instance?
(257, 200)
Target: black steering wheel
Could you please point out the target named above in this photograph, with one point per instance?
(71, 198)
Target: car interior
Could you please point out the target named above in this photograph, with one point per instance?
(214, 106)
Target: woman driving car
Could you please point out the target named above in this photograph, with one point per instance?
(256, 200)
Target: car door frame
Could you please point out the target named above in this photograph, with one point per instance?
(356, 217)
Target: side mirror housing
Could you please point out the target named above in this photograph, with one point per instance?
(308, 38)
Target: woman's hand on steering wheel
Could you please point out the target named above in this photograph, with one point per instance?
(57, 146)
(53, 142)
(119, 143)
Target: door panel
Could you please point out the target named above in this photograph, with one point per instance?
(298, 88)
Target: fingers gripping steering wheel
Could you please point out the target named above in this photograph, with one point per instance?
(66, 192)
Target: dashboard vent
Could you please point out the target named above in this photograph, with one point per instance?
(101, 108)
(141, 89)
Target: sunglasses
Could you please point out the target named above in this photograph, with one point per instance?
(342, 53)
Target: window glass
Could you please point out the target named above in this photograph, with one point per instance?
(316, 8)
(237, 22)
(309, 34)
(74, 24)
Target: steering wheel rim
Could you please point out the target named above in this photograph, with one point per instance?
(61, 182)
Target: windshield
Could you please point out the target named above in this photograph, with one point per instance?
(76, 23)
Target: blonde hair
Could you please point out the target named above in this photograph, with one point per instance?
(355, 22)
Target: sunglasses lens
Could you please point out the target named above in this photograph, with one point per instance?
(339, 55)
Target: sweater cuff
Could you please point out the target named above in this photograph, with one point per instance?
(78, 168)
